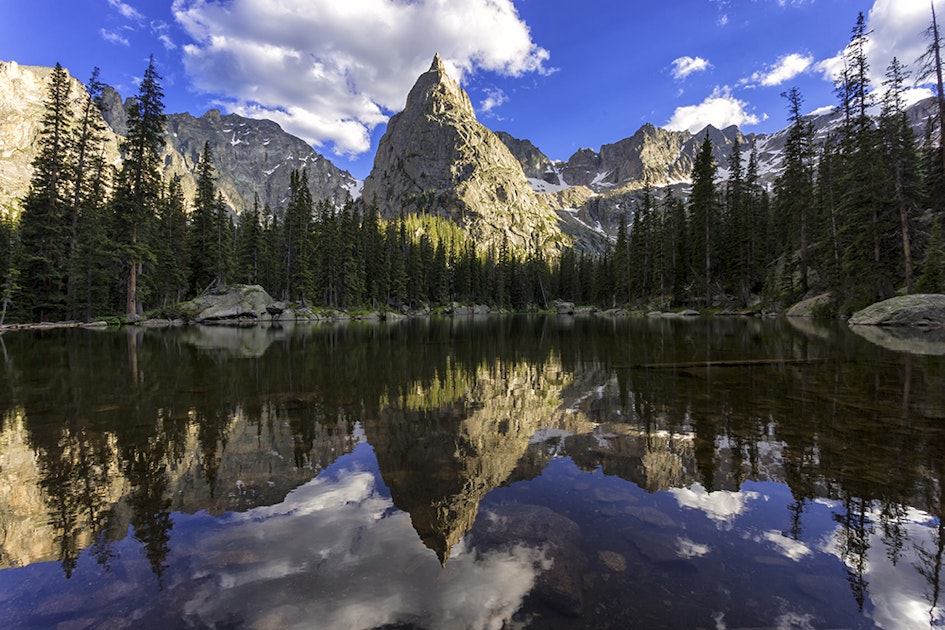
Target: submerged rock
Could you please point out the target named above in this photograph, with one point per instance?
(927, 309)
(924, 340)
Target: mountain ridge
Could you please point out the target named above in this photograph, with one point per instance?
(441, 160)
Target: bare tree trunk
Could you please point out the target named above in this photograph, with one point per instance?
(936, 47)
(131, 308)
(904, 219)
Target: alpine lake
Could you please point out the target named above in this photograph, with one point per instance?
(506, 471)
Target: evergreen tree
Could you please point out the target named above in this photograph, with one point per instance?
(866, 273)
(202, 236)
(931, 67)
(44, 224)
(352, 259)
(737, 226)
(932, 279)
(901, 160)
(138, 189)
(759, 254)
(795, 186)
(676, 259)
(703, 216)
(250, 245)
(272, 277)
(624, 287)
(8, 256)
(395, 243)
(171, 246)
(299, 241)
(88, 171)
(225, 242)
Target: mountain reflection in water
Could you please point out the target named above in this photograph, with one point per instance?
(472, 472)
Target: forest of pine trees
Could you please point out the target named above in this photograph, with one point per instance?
(859, 216)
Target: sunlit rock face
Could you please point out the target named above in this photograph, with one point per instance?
(250, 156)
(52, 504)
(436, 158)
(55, 501)
(23, 92)
(441, 454)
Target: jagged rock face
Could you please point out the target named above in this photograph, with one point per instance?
(437, 158)
(653, 155)
(250, 156)
(439, 461)
(115, 111)
(23, 92)
(535, 164)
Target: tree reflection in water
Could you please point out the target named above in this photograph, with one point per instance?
(110, 433)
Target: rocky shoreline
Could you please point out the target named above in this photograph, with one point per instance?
(250, 305)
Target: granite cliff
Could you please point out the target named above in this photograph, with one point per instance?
(436, 158)
(250, 156)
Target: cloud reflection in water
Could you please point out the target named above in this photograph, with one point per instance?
(337, 553)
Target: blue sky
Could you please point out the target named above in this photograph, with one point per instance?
(562, 74)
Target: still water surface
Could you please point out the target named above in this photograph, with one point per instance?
(535, 472)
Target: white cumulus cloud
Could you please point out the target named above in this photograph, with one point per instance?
(494, 98)
(896, 29)
(331, 71)
(785, 69)
(686, 65)
(720, 109)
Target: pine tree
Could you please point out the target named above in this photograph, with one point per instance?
(676, 259)
(932, 279)
(931, 66)
(901, 159)
(202, 236)
(737, 225)
(251, 246)
(866, 274)
(45, 223)
(225, 242)
(624, 286)
(96, 264)
(395, 242)
(795, 187)
(299, 242)
(8, 256)
(139, 186)
(87, 170)
(703, 216)
(171, 246)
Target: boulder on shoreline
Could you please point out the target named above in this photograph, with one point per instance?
(810, 306)
(924, 309)
(238, 301)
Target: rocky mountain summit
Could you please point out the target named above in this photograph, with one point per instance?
(436, 158)
(23, 90)
(250, 156)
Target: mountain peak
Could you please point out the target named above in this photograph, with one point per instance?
(436, 92)
(436, 158)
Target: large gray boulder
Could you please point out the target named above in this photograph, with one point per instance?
(810, 306)
(239, 301)
(927, 309)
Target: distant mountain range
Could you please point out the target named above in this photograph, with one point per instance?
(435, 157)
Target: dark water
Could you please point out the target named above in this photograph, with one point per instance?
(503, 472)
